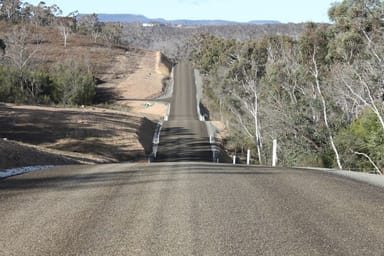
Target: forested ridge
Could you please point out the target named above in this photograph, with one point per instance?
(176, 42)
(321, 95)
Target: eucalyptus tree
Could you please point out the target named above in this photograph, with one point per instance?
(42, 14)
(91, 25)
(359, 71)
(314, 52)
(10, 10)
(246, 67)
(286, 104)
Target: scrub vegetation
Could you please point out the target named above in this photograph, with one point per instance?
(320, 94)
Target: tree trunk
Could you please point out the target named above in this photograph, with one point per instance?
(257, 126)
(324, 105)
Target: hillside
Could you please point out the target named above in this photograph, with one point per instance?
(177, 42)
(121, 128)
(142, 79)
(110, 130)
(133, 18)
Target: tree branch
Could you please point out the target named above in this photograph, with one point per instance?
(370, 160)
(241, 122)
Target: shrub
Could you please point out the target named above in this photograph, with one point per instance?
(75, 84)
(364, 135)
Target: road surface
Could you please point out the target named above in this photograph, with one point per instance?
(184, 137)
(188, 209)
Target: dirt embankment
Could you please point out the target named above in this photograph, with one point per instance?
(145, 80)
(33, 135)
(16, 154)
(36, 135)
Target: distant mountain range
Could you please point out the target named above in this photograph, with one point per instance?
(132, 18)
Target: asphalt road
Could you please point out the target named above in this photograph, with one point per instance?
(188, 209)
(184, 137)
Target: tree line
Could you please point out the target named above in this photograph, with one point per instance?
(321, 95)
(175, 42)
(18, 12)
(22, 79)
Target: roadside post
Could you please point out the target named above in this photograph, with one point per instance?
(274, 153)
(248, 156)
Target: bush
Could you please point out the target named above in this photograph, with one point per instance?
(364, 135)
(75, 84)
(69, 84)
(25, 86)
(6, 88)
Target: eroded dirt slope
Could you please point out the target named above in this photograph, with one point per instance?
(135, 75)
(81, 134)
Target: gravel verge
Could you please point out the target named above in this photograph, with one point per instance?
(373, 179)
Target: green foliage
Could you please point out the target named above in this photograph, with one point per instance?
(357, 15)
(344, 59)
(75, 84)
(26, 86)
(69, 84)
(354, 21)
(347, 46)
(364, 135)
(249, 63)
(213, 51)
(6, 88)
(314, 43)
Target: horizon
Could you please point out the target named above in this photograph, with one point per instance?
(294, 11)
(160, 18)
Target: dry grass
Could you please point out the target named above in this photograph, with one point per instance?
(53, 135)
(92, 134)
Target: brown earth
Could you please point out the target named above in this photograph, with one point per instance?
(62, 135)
(150, 109)
(123, 72)
(117, 130)
(222, 132)
(15, 154)
(145, 80)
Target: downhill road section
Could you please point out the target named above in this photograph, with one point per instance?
(184, 137)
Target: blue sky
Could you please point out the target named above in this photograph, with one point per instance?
(235, 10)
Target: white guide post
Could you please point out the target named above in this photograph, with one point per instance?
(234, 159)
(274, 153)
(248, 156)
